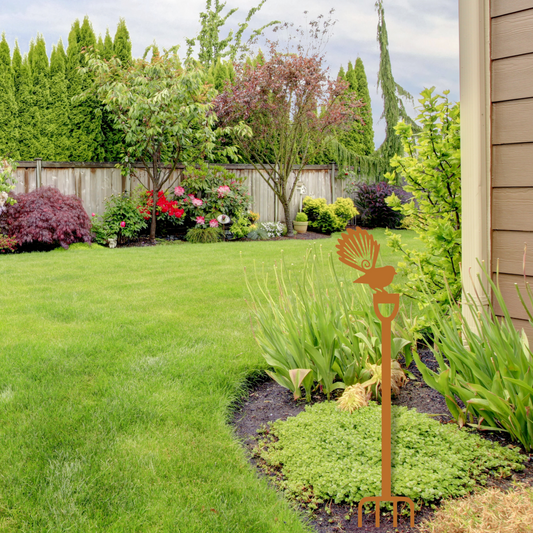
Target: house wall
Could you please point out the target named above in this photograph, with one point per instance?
(511, 84)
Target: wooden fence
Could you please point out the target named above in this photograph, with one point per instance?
(94, 182)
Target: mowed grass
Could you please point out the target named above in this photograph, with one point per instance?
(118, 371)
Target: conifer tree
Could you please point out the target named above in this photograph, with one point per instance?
(8, 104)
(40, 77)
(85, 115)
(108, 50)
(26, 139)
(16, 65)
(122, 43)
(59, 105)
(393, 95)
(367, 136)
(100, 46)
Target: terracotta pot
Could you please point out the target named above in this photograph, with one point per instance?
(300, 227)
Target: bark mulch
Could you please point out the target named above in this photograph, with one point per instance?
(268, 402)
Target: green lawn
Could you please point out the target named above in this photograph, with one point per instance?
(118, 369)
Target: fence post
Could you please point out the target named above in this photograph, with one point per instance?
(38, 168)
(332, 182)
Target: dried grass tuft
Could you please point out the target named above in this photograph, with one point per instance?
(489, 511)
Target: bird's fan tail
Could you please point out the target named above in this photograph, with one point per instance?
(358, 249)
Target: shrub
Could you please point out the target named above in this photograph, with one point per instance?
(204, 235)
(374, 212)
(47, 217)
(273, 229)
(7, 244)
(241, 226)
(432, 174)
(121, 219)
(211, 190)
(301, 217)
(327, 454)
(488, 367)
(329, 218)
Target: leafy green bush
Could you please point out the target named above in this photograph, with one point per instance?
(432, 174)
(301, 217)
(121, 219)
(330, 329)
(204, 235)
(329, 218)
(488, 367)
(327, 454)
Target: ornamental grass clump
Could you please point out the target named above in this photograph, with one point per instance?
(327, 454)
(488, 366)
(316, 321)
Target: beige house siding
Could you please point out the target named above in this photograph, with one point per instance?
(511, 83)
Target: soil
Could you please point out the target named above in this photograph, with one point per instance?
(267, 402)
(144, 240)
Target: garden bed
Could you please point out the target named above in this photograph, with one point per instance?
(268, 402)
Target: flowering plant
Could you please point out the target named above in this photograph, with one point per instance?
(210, 191)
(273, 229)
(7, 182)
(166, 209)
(7, 244)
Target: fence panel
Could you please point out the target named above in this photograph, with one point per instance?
(94, 182)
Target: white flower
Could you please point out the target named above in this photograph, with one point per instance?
(223, 219)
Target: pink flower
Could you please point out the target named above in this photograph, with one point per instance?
(200, 220)
(93, 214)
(122, 224)
(213, 223)
(223, 190)
(190, 195)
(197, 202)
(179, 191)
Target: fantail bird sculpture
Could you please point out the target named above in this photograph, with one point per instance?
(359, 250)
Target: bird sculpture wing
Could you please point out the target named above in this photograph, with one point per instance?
(358, 249)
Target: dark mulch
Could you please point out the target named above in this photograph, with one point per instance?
(144, 240)
(267, 402)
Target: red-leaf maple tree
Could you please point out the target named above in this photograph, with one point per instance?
(292, 108)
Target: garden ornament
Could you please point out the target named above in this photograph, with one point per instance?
(359, 250)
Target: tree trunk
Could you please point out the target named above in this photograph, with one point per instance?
(288, 218)
(154, 215)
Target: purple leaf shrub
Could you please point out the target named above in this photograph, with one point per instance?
(373, 210)
(46, 217)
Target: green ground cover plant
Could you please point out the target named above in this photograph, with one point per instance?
(118, 370)
(326, 455)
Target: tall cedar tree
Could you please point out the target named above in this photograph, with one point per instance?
(291, 107)
(211, 46)
(41, 120)
(164, 111)
(8, 104)
(122, 43)
(26, 139)
(366, 129)
(113, 137)
(85, 115)
(59, 105)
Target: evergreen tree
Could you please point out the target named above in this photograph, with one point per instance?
(85, 115)
(108, 46)
(26, 139)
(8, 104)
(16, 65)
(40, 77)
(341, 75)
(59, 105)
(367, 134)
(122, 43)
(393, 95)
(100, 46)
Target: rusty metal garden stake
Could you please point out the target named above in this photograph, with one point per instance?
(359, 250)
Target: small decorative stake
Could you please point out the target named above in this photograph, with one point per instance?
(359, 250)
